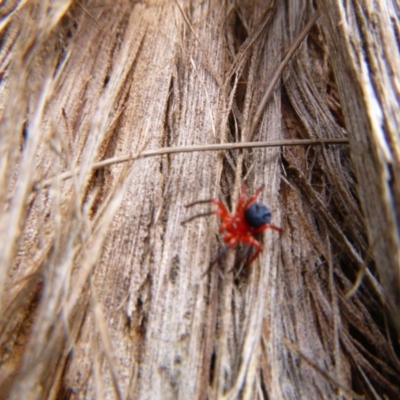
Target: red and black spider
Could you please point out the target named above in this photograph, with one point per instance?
(249, 219)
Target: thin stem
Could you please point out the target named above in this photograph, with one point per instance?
(190, 149)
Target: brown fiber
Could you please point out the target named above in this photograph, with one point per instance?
(102, 289)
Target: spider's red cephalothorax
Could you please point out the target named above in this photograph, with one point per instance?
(249, 219)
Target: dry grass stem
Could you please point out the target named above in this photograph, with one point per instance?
(190, 149)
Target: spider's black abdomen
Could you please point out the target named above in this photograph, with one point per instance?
(257, 214)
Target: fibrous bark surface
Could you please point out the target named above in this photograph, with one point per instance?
(103, 289)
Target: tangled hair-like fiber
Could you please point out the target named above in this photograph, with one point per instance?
(103, 292)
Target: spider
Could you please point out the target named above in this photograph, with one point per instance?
(249, 219)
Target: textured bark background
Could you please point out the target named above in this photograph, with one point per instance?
(103, 292)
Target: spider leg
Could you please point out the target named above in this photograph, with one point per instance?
(268, 226)
(223, 227)
(245, 254)
(204, 214)
(242, 198)
(216, 260)
(221, 209)
(224, 214)
(233, 240)
(227, 238)
(199, 202)
(221, 206)
(276, 228)
(242, 258)
(252, 198)
(253, 242)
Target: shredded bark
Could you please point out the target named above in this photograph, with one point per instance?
(103, 289)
